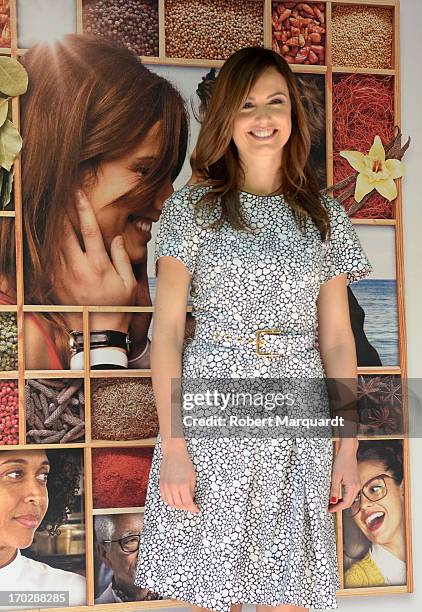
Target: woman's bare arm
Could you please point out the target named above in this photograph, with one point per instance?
(177, 473)
(338, 354)
(337, 342)
(169, 322)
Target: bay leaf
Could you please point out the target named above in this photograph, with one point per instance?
(13, 76)
(6, 191)
(10, 144)
(4, 109)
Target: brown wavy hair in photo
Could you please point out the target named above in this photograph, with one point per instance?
(216, 160)
(88, 102)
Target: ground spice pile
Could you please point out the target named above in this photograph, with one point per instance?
(363, 106)
(123, 409)
(120, 476)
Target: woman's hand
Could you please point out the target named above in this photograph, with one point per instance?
(345, 472)
(91, 277)
(178, 478)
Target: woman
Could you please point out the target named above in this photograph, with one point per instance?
(240, 520)
(37, 490)
(378, 511)
(366, 354)
(96, 125)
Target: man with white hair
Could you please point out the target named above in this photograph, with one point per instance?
(117, 542)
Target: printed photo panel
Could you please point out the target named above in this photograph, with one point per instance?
(374, 536)
(380, 405)
(373, 300)
(44, 20)
(134, 26)
(42, 527)
(116, 544)
(9, 420)
(55, 411)
(363, 107)
(123, 408)
(5, 34)
(120, 476)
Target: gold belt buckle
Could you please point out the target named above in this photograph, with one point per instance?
(259, 332)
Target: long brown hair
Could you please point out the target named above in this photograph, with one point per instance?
(88, 101)
(216, 160)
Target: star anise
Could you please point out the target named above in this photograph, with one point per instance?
(370, 388)
(392, 391)
(382, 419)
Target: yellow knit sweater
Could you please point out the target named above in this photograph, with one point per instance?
(363, 573)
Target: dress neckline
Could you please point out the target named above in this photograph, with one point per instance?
(256, 195)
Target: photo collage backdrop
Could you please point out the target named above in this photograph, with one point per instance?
(96, 428)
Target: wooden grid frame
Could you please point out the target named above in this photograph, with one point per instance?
(21, 308)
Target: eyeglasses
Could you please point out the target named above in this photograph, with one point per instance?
(128, 544)
(374, 490)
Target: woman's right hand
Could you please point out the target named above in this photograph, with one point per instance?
(178, 479)
(92, 277)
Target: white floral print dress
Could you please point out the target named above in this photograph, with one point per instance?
(264, 535)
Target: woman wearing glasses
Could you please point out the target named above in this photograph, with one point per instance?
(378, 511)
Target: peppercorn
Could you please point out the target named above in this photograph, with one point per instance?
(8, 341)
(132, 23)
(212, 29)
(9, 412)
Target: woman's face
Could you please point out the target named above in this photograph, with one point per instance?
(263, 125)
(23, 496)
(114, 179)
(381, 521)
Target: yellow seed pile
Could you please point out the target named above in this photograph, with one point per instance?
(212, 29)
(362, 36)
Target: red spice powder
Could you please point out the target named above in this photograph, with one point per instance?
(120, 476)
(363, 106)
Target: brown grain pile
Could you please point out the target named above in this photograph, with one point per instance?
(123, 409)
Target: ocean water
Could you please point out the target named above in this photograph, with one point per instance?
(378, 298)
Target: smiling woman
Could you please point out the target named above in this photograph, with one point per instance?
(36, 491)
(119, 133)
(378, 512)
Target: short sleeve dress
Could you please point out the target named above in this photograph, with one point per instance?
(264, 535)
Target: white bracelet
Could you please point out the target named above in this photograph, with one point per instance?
(99, 356)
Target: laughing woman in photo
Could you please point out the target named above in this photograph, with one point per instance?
(103, 140)
(378, 511)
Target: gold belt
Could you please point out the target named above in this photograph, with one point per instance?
(297, 340)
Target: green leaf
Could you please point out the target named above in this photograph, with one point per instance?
(10, 144)
(13, 76)
(4, 110)
(6, 191)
